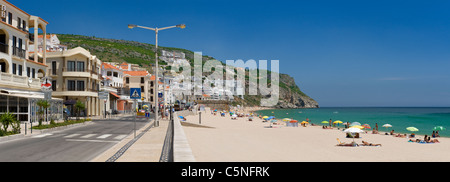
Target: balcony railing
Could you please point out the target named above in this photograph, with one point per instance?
(19, 52)
(12, 79)
(70, 69)
(4, 48)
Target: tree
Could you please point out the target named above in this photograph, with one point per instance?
(8, 119)
(43, 105)
(79, 106)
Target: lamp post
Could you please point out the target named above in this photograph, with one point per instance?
(131, 26)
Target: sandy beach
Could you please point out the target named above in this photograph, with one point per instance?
(221, 139)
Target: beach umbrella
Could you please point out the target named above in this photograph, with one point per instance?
(293, 121)
(358, 127)
(438, 128)
(412, 129)
(273, 121)
(287, 119)
(366, 126)
(264, 117)
(325, 122)
(271, 117)
(338, 122)
(353, 130)
(355, 123)
(304, 122)
(387, 126)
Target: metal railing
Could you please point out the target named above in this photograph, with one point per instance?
(4, 48)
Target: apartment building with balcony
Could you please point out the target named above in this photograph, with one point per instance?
(136, 79)
(76, 76)
(112, 82)
(20, 72)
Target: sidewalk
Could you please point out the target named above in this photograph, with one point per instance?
(146, 149)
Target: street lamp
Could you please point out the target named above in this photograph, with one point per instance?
(131, 26)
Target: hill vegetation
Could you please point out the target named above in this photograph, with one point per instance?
(143, 54)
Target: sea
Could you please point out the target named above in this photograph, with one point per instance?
(423, 118)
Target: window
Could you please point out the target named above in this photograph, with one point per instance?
(19, 23)
(70, 66)
(14, 45)
(33, 73)
(28, 72)
(13, 102)
(20, 70)
(54, 85)
(10, 16)
(108, 73)
(80, 66)
(80, 85)
(24, 25)
(115, 74)
(142, 80)
(71, 85)
(14, 68)
(3, 103)
(54, 67)
(142, 89)
(151, 84)
(127, 80)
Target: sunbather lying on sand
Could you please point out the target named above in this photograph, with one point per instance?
(353, 144)
(364, 143)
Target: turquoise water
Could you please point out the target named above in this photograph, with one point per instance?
(423, 118)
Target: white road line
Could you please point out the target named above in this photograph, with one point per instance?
(72, 135)
(88, 136)
(78, 140)
(120, 137)
(41, 136)
(104, 136)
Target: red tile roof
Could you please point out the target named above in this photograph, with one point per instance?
(108, 66)
(136, 73)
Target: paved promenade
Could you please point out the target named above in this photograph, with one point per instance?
(146, 149)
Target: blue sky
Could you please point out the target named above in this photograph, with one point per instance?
(341, 53)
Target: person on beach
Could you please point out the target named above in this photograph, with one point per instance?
(376, 126)
(330, 122)
(392, 132)
(364, 143)
(374, 131)
(433, 134)
(437, 134)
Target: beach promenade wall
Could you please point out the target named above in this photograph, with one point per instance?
(181, 150)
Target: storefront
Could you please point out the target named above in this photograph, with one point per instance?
(23, 104)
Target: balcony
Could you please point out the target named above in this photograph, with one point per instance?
(19, 52)
(4, 48)
(19, 81)
(77, 72)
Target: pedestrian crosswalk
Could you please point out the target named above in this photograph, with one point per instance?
(82, 136)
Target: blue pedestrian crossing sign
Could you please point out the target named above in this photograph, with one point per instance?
(135, 93)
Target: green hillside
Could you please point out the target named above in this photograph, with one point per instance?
(143, 54)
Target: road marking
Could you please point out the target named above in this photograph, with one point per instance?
(78, 140)
(104, 136)
(120, 137)
(72, 135)
(41, 136)
(88, 136)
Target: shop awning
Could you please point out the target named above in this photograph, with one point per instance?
(115, 95)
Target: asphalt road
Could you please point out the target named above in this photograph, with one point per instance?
(78, 144)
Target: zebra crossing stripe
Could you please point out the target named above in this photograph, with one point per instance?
(104, 136)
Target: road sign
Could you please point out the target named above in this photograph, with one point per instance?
(46, 84)
(135, 93)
